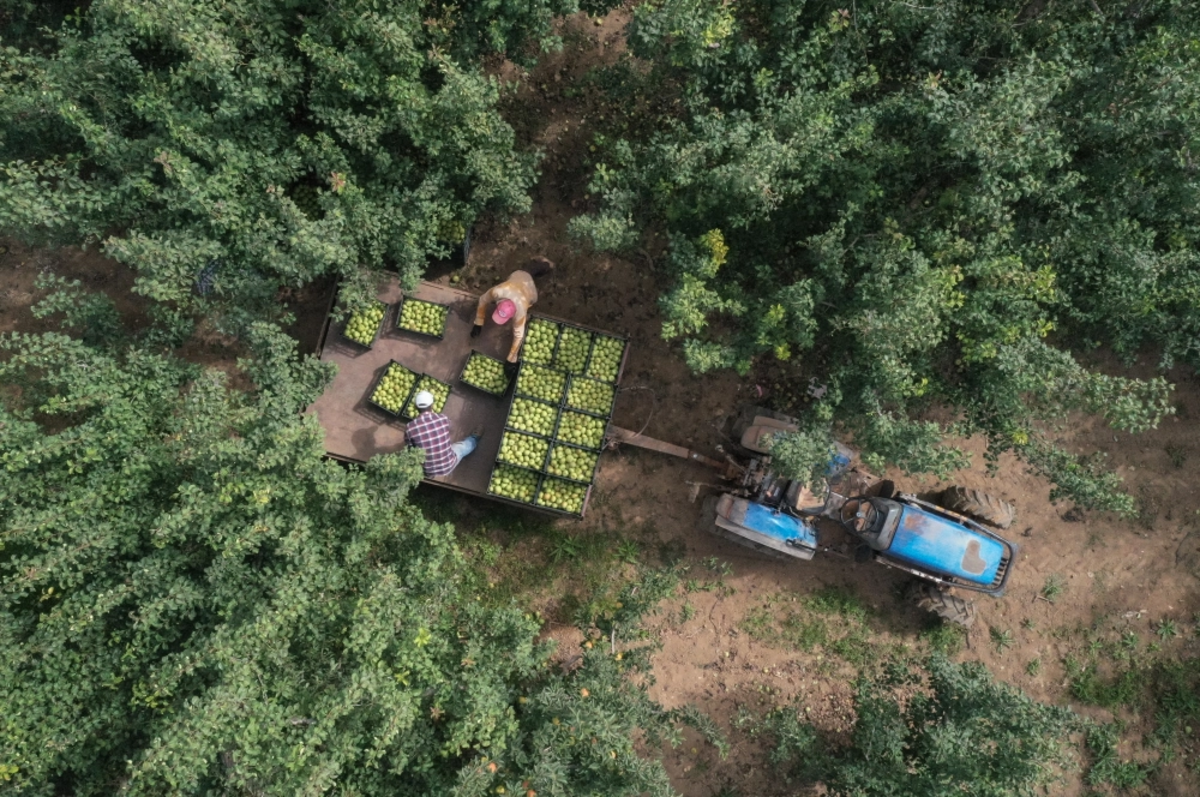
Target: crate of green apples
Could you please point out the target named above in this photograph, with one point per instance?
(574, 344)
(484, 373)
(562, 495)
(590, 395)
(541, 338)
(532, 416)
(513, 483)
(422, 317)
(523, 450)
(605, 362)
(364, 324)
(541, 383)
(393, 388)
(572, 463)
(440, 391)
(580, 429)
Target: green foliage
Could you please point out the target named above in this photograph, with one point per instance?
(193, 599)
(1080, 478)
(832, 619)
(1107, 768)
(1002, 638)
(1054, 586)
(959, 732)
(912, 199)
(285, 144)
(802, 455)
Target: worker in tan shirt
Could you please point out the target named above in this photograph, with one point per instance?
(513, 298)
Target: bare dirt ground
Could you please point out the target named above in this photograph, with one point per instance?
(1114, 576)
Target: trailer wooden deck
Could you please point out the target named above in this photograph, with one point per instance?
(355, 431)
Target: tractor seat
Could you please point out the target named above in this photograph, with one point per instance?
(757, 438)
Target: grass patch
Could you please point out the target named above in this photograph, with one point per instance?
(831, 619)
(944, 638)
(1107, 768)
(1002, 638)
(1053, 587)
(1121, 689)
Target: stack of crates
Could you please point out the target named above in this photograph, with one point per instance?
(558, 416)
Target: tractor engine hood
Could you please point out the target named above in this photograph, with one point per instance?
(938, 544)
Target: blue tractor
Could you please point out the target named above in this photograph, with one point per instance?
(950, 543)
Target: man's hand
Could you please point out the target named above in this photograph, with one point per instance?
(510, 370)
(475, 330)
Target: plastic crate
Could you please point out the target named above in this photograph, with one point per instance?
(556, 330)
(410, 301)
(532, 440)
(407, 396)
(529, 368)
(503, 467)
(568, 332)
(552, 483)
(383, 320)
(410, 409)
(575, 382)
(590, 455)
(616, 366)
(552, 408)
(592, 444)
(462, 375)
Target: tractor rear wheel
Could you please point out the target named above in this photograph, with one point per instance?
(953, 610)
(979, 506)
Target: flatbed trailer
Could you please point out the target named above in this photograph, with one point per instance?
(355, 430)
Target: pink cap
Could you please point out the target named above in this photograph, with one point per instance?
(505, 310)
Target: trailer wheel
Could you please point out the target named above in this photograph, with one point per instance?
(953, 610)
(979, 506)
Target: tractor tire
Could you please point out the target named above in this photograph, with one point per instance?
(951, 609)
(979, 506)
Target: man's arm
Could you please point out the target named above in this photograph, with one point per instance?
(481, 310)
(518, 332)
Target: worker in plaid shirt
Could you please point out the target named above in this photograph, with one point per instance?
(431, 431)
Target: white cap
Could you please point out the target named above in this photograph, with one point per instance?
(423, 399)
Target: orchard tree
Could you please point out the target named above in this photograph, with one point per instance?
(920, 204)
(925, 731)
(194, 600)
(232, 147)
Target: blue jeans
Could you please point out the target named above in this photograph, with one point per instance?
(464, 447)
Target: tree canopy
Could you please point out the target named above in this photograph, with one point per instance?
(278, 142)
(920, 204)
(932, 730)
(193, 599)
